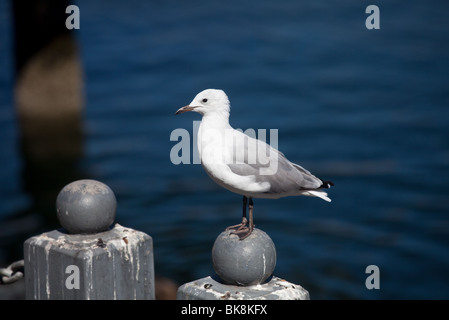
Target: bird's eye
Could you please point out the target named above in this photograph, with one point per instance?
(204, 100)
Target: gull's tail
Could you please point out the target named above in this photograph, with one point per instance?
(326, 184)
(319, 193)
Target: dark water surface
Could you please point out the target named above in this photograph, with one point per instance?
(367, 109)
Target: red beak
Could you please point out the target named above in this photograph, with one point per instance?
(184, 109)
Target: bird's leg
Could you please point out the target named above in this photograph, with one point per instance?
(242, 225)
(251, 223)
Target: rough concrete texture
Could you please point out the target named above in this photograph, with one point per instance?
(116, 264)
(210, 289)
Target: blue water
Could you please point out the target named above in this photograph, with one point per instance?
(367, 109)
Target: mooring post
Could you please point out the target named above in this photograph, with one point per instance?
(244, 271)
(90, 258)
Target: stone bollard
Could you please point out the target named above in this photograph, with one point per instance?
(244, 271)
(90, 258)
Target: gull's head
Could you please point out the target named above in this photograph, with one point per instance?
(208, 101)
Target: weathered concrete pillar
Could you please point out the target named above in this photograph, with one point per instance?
(90, 257)
(244, 271)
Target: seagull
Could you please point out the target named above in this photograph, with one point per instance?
(243, 164)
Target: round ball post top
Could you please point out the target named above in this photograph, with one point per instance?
(86, 207)
(244, 262)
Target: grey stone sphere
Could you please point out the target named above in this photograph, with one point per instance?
(86, 207)
(244, 262)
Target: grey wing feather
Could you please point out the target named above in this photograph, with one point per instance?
(289, 176)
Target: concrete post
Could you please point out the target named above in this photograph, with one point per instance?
(244, 271)
(89, 258)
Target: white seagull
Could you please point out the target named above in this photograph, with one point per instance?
(243, 164)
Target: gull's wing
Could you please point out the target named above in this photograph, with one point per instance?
(252, 157)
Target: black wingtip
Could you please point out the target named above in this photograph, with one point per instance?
(327, 184)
